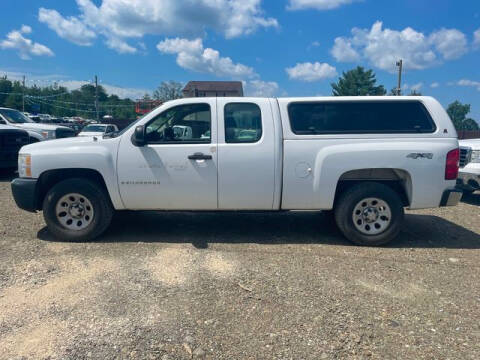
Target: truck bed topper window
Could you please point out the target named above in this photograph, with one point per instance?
(360, 117)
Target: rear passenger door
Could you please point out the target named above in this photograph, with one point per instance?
(246, 154)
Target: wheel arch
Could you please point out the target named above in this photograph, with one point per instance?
(50, 178)
(398, 180)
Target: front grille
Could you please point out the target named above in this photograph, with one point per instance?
(465, 156)
(61, 133)
(11, 142)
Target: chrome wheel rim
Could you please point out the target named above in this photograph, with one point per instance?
(74, 211)
(371, 216)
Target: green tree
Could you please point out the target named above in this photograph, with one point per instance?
(168, 90)
(5, 89)
(394, 92)
(458, 113)
(415, 93)
(58, 101)
(14, 100)
(357, 82)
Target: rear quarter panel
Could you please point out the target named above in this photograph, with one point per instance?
(330, 159)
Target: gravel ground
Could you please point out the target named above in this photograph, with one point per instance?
(240, 286)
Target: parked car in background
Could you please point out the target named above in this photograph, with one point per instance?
(35, 118)
(98, 130)
(74, 126)
(11, 141)
(365, 158)
(469, 173)
(38, 132)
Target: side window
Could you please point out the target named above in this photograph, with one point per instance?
(190, 123)
(243, 123)
(360, 117)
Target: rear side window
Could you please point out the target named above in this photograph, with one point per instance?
(243, 123)
(359, 117)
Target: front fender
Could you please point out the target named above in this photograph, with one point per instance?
(78, 154)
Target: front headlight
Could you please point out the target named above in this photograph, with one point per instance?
(475, 156)
(48, 134)
(25, 165)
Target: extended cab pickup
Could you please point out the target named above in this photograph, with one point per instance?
(365, 158)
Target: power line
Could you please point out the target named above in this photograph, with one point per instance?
(89, 104)
(40, 102)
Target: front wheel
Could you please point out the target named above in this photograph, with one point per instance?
(77, 210)
(369, 214)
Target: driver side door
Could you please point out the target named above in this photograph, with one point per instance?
(177, 168)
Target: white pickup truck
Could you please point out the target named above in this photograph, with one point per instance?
(37, 132)
(469, 176)
(365, 158)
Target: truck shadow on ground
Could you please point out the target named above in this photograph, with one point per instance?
(7, 175)
(472, 199)
(200, 229)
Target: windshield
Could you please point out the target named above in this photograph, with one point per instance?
(14, 116)
(94, 128)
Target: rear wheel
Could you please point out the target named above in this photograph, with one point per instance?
(77, 210)
(369, 214)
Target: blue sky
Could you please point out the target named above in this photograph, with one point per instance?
(281, 47)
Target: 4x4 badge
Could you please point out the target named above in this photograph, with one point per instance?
(420, 156)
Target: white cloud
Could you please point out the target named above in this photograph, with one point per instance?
(25, 29)
(416, 87)
(25, 47)
(118, 20)
(343, 51)
(63, 80)
(120, 46)
(317, 4)
(72, 29)
(434, 85)
(451, 43)
(259, 88)
(314, 44)
(384, 47)
(469, 83)
(132, 93)
(476, 38)
(311, 71)
(193, 56)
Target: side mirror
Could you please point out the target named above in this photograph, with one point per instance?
(138, 137)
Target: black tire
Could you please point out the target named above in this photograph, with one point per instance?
(99, 199)
(345, 206)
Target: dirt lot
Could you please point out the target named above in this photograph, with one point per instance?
(240, 286)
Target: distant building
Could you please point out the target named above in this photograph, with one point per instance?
(213, 89)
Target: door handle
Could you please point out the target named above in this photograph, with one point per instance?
(200, 156)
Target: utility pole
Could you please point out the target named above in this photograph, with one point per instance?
(96, 98)
(400, 67)
(23, 94)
